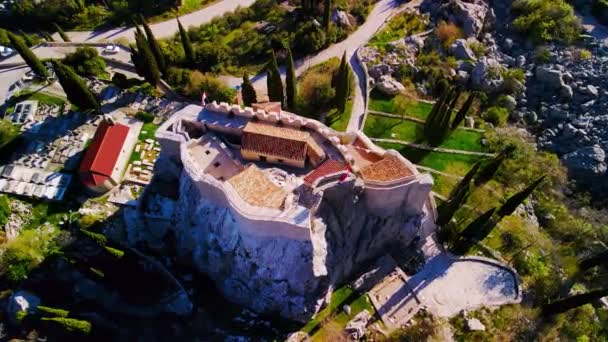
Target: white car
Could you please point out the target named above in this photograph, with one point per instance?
(111, 49)
(29, 76)
(5, 51)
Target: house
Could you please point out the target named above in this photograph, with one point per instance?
(102, 166)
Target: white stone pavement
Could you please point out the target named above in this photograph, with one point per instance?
(163, 29)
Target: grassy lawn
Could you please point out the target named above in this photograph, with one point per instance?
(436, 160)
(332, 318)
(392, 128)
(42, 98)
(399, 104)
(339, 121)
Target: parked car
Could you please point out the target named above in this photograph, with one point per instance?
(5, 51)
(111, 49)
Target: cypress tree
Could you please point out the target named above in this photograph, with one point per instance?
(187, 44)
(514, 201)
(28, 56)
(434, 117)
(47, 36)
(464, 111)
(474, 232)
(327, 15)
(61, 33)
(146, 63)
(458, 197)
(343, 84)
(574, 301)
(75, 88)
(248, 91)
(274, 82)
(26, 38)
(490, 168)
(154, 47)
(291, 82)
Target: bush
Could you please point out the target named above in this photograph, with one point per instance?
(145, 116)
(117, 253)
(513, 79)
(120, 80)
(210, 56)
(582, 54)
(69, 325)
(100, 239)
(546, 20)
(542, 55)
(5, 210)
(478, 48)
(88, 221)
(497, 116)
(27, 251)
(216, 90)
(309, 39)
(447, 33)
(45, 311)
(86, 62)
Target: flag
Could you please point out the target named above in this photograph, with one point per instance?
(346, 172)
(204, 99)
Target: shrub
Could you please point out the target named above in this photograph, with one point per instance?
(45, 311)
(27, 251)
(5, 210)
(145, 116)
(210, 56)
(86, 62)
(120, 80)
(478, 48)
(497, 116)
(582, 54)
(546, 20)
(513, 79)
(88, 221)
(309, 39)
(117, 253)
(216, 90)
(447, 33)
(69, 325)
(100, 239)
(542, 55)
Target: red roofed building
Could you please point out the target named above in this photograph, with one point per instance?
(99, 170)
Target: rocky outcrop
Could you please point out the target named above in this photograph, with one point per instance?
(470, 15)
(389, 86)
(276, 274)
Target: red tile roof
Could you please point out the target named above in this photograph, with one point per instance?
(388, 169)
(281, 142)
(101, 156)
(327, 168)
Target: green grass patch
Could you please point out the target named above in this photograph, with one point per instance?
(436, 160)
(443, 184)
(338, 298)
(339, 121)
(391, 128)
(400, 104)
(148, 131)
(404, 24)
(338, 321)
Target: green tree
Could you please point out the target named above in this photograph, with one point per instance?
(516, 200)
(86, 61)
(291, 82)
(327, 15)
(61, 33)
(28, 56)
(5, 210)
(26, 38)
(144, 60)
(474, 232)
(458, 197)
(491, 167)
(274, 82)
(343, 84)
(574, 301)
(154, 47)
(75, 88)
(464, 111)
(248, 91)
(187, 44)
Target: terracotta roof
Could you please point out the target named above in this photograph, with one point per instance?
(282, 142)
(101, 156)
(387, 169)
(327, 168)
(256, 189)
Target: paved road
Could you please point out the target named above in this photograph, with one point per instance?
(166, 28)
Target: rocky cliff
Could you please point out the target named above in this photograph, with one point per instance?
(272, 274)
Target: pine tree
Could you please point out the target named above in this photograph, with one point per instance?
(154, 47)
(144, 59)
(274, 82)
(75, 88)
(574, 301)
(291, 86)
(61, 33)
(490, 168)
(327, 15)
(514, 201)
(434, 117)
(248, 91)
(187, 44)
(342, 84)
(464, 111)
(28, 56)
(458, 197)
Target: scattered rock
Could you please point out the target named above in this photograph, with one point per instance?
(389, 86)
(473, 324)
(346, 309)
(380, 70)
(461, 50)
(470, 15)
(587, 161)
(342, 18)
(21, 301)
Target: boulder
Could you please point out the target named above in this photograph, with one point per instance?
(473, 324)
(587, 161)
(549, 78)
(380, 70)
(341, 18)
(389, 85)
(460, 49)
(355, 328)
(21, 301)
(566, 92)
(470, 15)
(590, 90)
(487, 75)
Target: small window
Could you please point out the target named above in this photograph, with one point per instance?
(280, 160)
(262, 158)
(216, 164)
(207, 152)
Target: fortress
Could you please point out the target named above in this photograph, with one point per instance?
(279, 209)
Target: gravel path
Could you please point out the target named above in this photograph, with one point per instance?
(166, 28)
